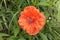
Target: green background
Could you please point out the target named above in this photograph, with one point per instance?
(9, 13)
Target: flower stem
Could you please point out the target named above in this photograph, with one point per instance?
(30, 37)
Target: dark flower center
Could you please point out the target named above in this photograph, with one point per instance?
(30, 20)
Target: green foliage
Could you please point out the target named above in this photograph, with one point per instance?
(10, 11)
(3, 34)
(58, 8)
(43, 36)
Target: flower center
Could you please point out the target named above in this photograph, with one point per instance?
(30, 20)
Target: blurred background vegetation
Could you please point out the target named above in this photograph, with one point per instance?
(9, 13)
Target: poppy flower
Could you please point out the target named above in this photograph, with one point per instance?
(31, 20)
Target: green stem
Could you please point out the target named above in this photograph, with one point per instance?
(5, 4)
(5, 22)
(30, 37)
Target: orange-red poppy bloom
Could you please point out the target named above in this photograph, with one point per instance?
(31, 20)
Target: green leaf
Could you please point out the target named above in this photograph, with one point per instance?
(5, 21)
(1, 26)
(58, 8)
(11, 38)
(13, 17)
(5, 4)
(3, 34)
(43, 4)
(0, 5)
(43, 36)
(1, 38)
(21, 39)
(45, 0)
(53, 33)
(16, 31)
(50, 37)
(46, 14)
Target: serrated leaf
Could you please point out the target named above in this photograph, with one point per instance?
(43, 36)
